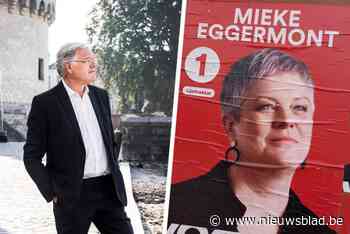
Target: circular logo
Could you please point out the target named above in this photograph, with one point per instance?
(214, 220)
(202, 64)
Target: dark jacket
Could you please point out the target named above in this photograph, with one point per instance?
(193, 202)
(54, 130)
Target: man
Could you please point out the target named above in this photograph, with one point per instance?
(71, 124)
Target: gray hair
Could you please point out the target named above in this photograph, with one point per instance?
(246, 71)
(66, 53)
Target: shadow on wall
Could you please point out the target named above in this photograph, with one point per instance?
(13, 136)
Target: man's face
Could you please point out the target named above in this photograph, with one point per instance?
(82, 68)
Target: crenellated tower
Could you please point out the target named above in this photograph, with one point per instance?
(41, 9)
(24, 56)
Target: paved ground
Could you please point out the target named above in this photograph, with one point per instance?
(149, 191)
(22, 208)
(12, 149)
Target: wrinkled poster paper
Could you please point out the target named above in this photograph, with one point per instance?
(262, 132)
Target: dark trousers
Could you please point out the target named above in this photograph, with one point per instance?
(98, 203)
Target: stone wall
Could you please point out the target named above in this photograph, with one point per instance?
(145, 138)
(23, 40)
(15, 117)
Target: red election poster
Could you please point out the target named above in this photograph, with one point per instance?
(262, 128)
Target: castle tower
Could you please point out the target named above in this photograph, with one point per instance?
(24, 56)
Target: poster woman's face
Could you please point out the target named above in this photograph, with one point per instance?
(275, 126)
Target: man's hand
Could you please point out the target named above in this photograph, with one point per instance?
(55, 200)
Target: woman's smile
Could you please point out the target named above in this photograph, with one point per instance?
(283, 140)
(275, 117)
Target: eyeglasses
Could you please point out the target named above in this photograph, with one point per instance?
(85, 61)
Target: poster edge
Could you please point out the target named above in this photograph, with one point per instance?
(174, 117)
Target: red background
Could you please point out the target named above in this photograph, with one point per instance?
(200, 140)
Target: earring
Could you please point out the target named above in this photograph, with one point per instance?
(303, 165)
(233, 148)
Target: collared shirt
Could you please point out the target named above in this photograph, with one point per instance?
(96, 157)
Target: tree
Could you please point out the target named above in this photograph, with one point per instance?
(136, 41)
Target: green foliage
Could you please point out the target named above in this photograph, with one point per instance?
(136, 42)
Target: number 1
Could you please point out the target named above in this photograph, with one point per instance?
(202, 62)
